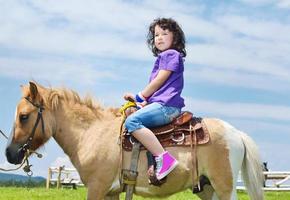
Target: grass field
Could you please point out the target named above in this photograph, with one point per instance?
(13, 193)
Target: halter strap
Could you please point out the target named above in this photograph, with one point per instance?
(27, 144)
(34, 104)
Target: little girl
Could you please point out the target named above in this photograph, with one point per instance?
(161, 99)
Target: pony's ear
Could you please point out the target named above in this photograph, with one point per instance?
(33, 90)
(22, 87)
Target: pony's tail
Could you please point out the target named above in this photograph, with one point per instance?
(252, 171)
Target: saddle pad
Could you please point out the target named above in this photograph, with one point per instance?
(173, 135)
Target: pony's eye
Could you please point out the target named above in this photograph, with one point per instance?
(23, 117)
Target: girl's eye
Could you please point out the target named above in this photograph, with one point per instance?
(23, 117)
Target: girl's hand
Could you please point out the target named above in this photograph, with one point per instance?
(130, 111)
(144, 103)
(141, 105)
(150, 171)
(129, 96)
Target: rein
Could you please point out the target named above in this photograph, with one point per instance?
(26, 146)
(26, 168)
(4, 135)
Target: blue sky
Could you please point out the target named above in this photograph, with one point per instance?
(237, 68)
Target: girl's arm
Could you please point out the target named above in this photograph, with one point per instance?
(156, 83)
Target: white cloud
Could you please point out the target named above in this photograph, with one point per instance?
(239, 48)
(246, 44)
(84, 28)
(200, 28)
(276, 154)
(65, 161)
(257, 28)
(8, 166)
(90, 29)
(258, 2)
(62, 161)
(260, 128)
(53, 70)
(70, 41)
(238, 110)
(284, 4)
(238, 79)
(232, 58)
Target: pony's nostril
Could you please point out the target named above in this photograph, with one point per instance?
(8, 154)
(13, 156)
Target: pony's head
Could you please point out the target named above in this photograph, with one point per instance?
(32, 125)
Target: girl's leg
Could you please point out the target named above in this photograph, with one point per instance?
(149, 140)
(151, 116)
(165, 162)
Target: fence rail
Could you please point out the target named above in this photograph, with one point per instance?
(62, 176)
(274, 181)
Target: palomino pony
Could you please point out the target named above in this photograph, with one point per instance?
(89, 135)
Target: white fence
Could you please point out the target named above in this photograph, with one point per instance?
(62, 176)
(274, 181)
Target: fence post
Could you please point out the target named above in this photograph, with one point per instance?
(48, 178)
(58, 178)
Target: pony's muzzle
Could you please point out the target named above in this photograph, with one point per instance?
(14, 154)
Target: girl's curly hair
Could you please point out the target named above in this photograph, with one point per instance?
(178, 35)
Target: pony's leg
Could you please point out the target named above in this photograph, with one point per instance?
(215, 197)
(96, 194)
(223, 179)
(207, 193)
(223, 161)
(219, 173)
(96, 191)
(115, 197)
(218, 170)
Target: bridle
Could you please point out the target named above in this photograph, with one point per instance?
(26, 146)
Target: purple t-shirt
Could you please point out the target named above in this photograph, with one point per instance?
(169, 94)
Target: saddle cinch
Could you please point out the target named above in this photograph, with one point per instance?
(185, 130)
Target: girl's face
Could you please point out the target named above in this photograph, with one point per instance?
(163, 39)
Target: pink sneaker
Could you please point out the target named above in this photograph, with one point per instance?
(165, 163)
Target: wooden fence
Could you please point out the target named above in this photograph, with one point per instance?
(62, 176)
(274, 181)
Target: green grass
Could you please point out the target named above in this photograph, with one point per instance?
(14, 193)
(18, 193)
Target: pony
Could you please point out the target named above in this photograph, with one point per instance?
(89, 134)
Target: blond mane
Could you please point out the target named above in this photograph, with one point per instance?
(52, 97)
(70, 97)
(84, 110)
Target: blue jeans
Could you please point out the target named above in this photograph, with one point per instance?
(150, 116)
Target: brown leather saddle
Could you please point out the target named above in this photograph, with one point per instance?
(185, 130)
